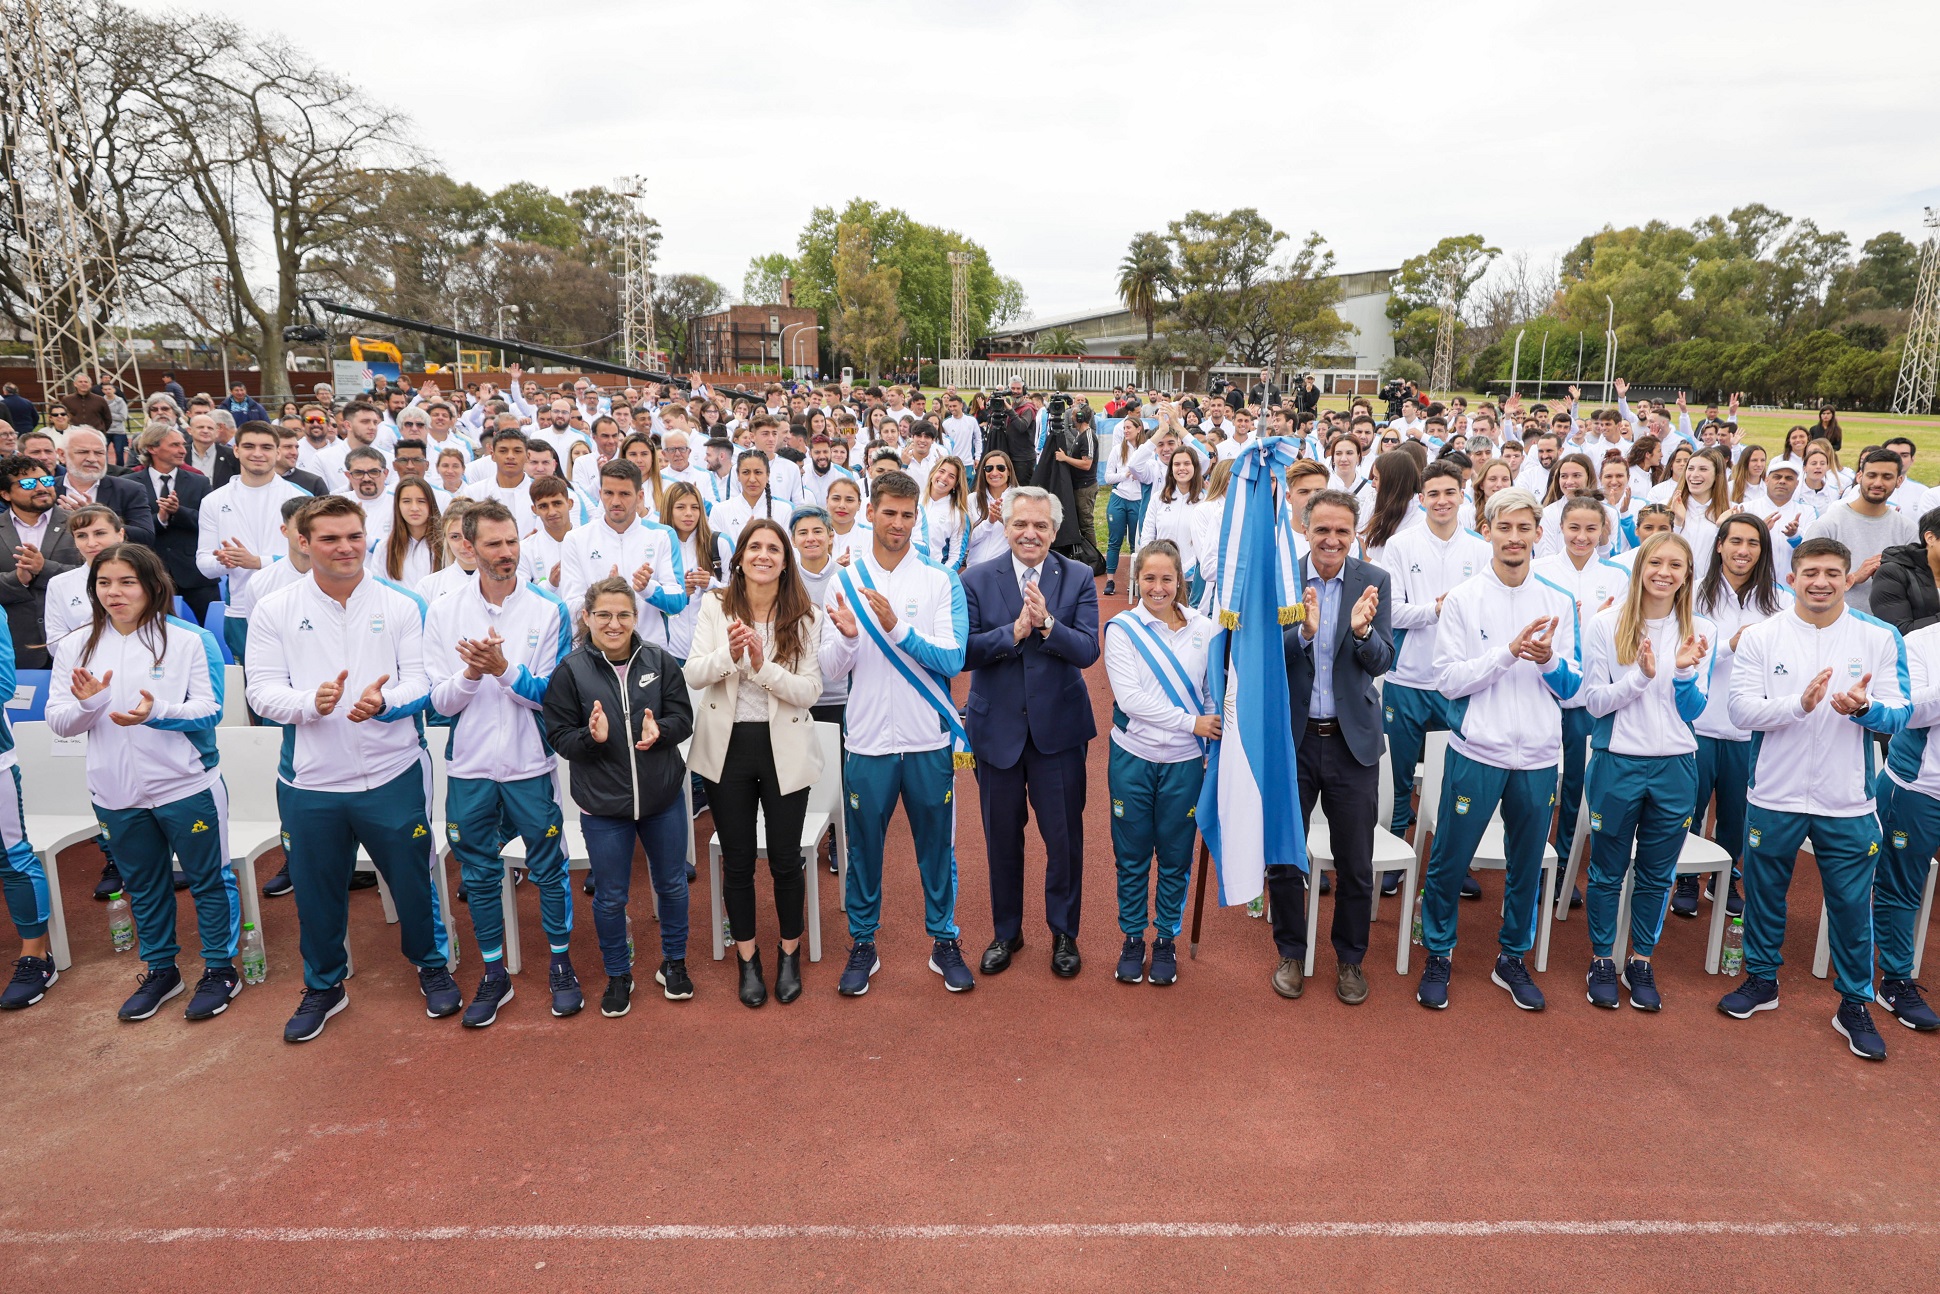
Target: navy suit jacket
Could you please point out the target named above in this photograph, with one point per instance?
(1034, 689)
(176, 539)
(132, 504)
(1357, 706)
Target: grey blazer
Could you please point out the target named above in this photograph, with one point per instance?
(1357, 704)
(27, 603)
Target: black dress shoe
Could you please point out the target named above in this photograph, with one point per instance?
(363, 880)
(996, 958)
(1064, 956)
(753, 991)
(788, 974)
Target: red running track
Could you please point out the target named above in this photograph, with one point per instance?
(1080, 1135)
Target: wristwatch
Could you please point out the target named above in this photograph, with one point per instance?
(1050, 623)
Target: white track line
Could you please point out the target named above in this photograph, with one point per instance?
(953, 1231)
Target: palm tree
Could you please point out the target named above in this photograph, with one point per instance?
(1059, 341)
(1144, 275)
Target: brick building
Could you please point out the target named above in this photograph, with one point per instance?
(778, 338)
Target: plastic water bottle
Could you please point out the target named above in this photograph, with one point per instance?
(1420, 899)
(629, 938)
(121, 922)
(1732, 960)
(255, 963)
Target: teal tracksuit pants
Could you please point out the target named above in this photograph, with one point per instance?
(1724, 770)
(321, 832)
(480, 816)
(194, 829)
(1471, 792)
(22, 877)
(1577, 724)
(1910, 828)
(1409, 714)
(1847, 850)
(1152, 817)
(1639, 805)
(925, 781)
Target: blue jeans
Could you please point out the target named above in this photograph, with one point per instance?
(1121, 527)
(609, 848)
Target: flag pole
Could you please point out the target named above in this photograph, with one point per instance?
(1199, 898)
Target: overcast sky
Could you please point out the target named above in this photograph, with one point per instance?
(1052, 131)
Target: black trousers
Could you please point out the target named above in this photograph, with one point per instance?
(1053, 785)
(1347, 790)
(748, 783)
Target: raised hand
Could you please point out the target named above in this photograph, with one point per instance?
(87, 685)
(1310, 613)
(371, 703)
(1692, 651)
(139, 715)
(1855, 701)
(28, 561)
(596, 724)
(1815, 691)
(1647, 658)
(1622, 387)
(880, 608)
(843, 617)
(641, 575)
(1361, 620)
(330, 693)
(649, 731)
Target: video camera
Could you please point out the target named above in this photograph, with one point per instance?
(1396, 391)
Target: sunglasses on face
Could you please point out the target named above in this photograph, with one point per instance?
(34, 483)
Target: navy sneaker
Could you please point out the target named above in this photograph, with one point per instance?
(314, 1011)
(441, 995)
(1512, 975)
(863, 963)
(1684, 898)
(1165, 963)
(32, 977)
(1131, 961)
(946, 959)
(109, 884)
(1602, 980)
(494, 990)
(567, 996)
(1734, 901)
(1642, 983)
(1390, 884)
(1854, 1023)
(279, 884)
(151, 990)
(1471, 888)
(1756, 994)
(214, 992)
(1902, 998)
(674, 980)
(1432, 992)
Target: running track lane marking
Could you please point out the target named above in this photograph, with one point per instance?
(955, 1231)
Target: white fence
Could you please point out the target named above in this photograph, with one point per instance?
(1037, 375)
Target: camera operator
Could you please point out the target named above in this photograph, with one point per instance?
(1306, 399)
(1264, 393)
(1013, 429)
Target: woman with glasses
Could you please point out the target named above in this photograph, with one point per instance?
(994, 475)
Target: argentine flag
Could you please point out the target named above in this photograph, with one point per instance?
(1249, 806)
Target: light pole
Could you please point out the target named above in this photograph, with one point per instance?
(501, 311)
(798, 344)
(782, 349)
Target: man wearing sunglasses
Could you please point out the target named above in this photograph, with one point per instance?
(34, 548)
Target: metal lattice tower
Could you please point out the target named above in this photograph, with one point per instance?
(636, 286)
(79, 311)
(1920, 362)
(959, 305)
(1442, 376)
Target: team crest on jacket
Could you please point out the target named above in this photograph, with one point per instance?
(1899, 840)
(532, 639)
(451, 832)
(156, 672)
(1468, 569)
(1853, 668)
(377, 624)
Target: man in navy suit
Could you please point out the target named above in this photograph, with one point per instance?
(175, 493)
(1033, 630)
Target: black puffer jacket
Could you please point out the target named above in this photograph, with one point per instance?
(1903, 592)
(612, 779)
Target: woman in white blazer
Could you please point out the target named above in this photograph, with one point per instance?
(754, 662)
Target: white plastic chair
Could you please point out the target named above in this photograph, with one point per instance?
(1822, 951)
(825, 801)
(1391, 854)
(1490, 852)
(1698, 857)
(57, 788)
(235, 705)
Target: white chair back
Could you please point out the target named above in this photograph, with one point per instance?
(235, 705)
(1434, 762)
(826, 795)
(250, 757)
(52, 785)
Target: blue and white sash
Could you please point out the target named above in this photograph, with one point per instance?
(932, 688)
(1164, 664)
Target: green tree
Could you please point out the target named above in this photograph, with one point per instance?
(678, 299)
(761, 284)
(525, 212)
(1889, 267)
(1145, 276)
(1060, 341)
(864, 318)
(1448, 270)
(1294, 321)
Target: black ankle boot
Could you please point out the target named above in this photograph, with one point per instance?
(788, 974)
(753, 991)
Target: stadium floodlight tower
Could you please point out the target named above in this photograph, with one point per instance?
(1443, 377)
(1920, 361)
(56, 203)
(636, 284)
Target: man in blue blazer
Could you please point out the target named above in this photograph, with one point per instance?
(1033, 630)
